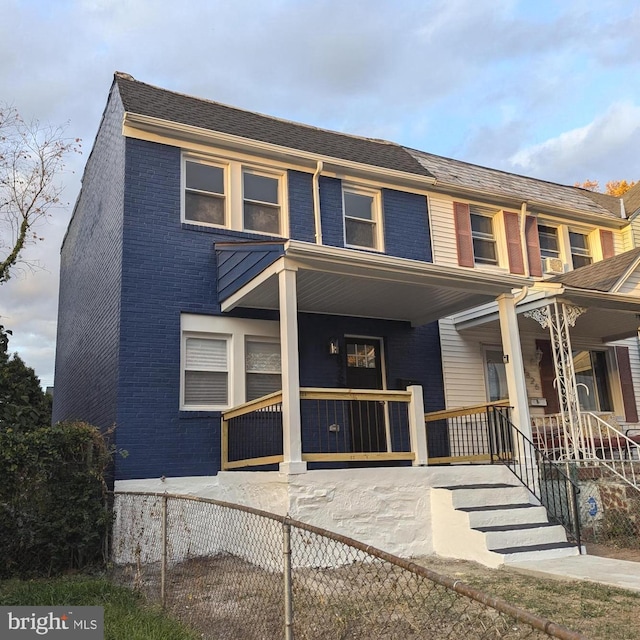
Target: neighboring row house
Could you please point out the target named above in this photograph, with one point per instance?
(243, 292)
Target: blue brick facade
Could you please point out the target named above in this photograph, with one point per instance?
(130, 268)
(87, 349)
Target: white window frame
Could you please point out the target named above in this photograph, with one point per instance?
(227, 339)
(262, 339)
(274, 175)
(588, 251)
(234, 192)
(376, 215)
(497, 235)
(183, 189)
(236, 331)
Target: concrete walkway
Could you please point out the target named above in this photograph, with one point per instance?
(614, 573)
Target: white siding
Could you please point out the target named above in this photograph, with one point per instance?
(443, 235)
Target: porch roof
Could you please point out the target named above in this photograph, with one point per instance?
(348, 282)
(608, 316)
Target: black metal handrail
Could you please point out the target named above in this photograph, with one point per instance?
(544, 478)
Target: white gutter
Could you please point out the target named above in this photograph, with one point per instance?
(316, 202)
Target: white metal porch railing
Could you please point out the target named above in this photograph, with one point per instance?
(595, 440)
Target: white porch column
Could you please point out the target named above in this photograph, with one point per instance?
(514, 365)
(417, 428)
(291, 430)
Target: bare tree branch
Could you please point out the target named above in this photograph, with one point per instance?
(31, 157)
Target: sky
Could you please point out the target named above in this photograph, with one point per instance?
(544, 88)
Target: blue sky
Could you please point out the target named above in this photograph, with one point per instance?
(543, 88)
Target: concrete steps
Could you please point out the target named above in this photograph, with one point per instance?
(494, 523)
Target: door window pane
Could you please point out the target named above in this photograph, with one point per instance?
(496, 375)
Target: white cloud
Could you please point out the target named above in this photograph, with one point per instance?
(476, 80)
(605, 149)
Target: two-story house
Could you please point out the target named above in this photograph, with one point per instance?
(243, 292)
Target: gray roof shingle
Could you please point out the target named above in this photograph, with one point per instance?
(599, 276)
(148, 100)
(632, 199)
(145, 99)
(464, 174)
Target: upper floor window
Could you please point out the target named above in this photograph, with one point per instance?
(482, 234)
(261, 202)
(580, 250)
(362, 218)
(549, 246)
(233, 195)
(204, 199)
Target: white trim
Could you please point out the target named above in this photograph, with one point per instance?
(176, 134)
(236, 330)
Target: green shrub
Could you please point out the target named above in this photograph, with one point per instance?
(53, 510)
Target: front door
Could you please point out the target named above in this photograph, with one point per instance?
(367, 418)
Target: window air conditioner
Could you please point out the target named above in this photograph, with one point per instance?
(553, 265)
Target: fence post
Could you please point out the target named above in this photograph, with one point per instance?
(163, 553)
(288, 590)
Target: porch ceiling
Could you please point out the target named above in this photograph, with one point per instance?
(608, 317)
(355, 283)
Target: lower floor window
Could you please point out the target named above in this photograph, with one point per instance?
(206, 374)
(227, 361)
(262, 365)
(592, 380)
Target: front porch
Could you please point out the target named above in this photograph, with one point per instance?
(343, 428)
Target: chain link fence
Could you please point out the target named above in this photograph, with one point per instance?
(234, 572)
(609, 506)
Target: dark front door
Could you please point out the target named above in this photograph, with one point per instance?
(367, 418)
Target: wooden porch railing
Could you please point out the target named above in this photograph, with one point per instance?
(467, 434)
(338, 426)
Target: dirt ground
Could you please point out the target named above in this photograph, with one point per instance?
(632, 555)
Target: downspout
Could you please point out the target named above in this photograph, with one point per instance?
(316, 202)
(523, 238)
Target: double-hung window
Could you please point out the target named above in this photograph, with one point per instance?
(548, 238)
(483, 236)
(580, 250)
(362, 218)
(261, 193)
(204, 197)
(262, 367)
(206, 371)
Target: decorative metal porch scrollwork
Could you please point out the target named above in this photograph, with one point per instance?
(558, 318)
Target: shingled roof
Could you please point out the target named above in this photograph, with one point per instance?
(148, 100)
(632, 199)
(600, 276)
(145, 99)
(464, 174)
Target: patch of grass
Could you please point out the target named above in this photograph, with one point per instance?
(598, 611)
(125, 614)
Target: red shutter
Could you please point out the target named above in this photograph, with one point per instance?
(547, 376)
(626, 384)
(533, 246)
(464, 241)
(606, 242)
(514, 245)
